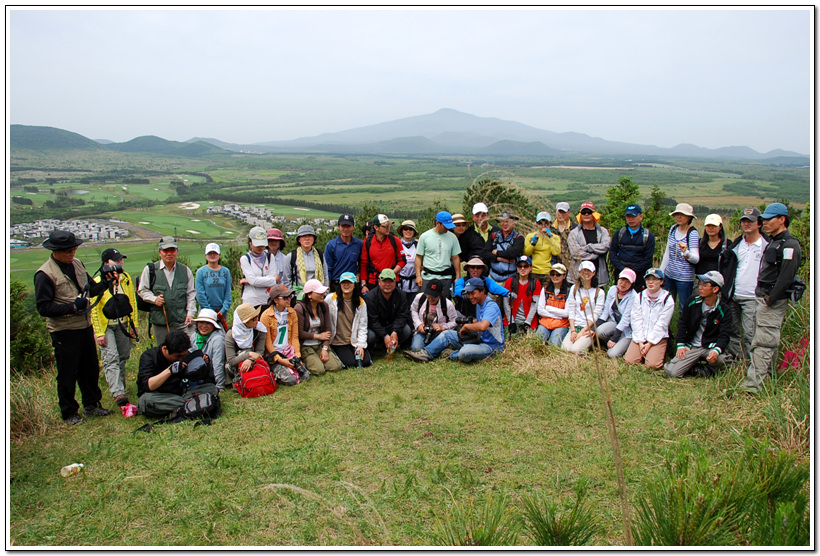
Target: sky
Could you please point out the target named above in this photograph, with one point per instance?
(709, 77)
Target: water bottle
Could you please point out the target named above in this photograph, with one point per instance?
(72, 469)
(358, 359)
(390, 352)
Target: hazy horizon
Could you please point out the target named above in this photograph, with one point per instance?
(709, 77)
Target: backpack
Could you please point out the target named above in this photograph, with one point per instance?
(143, 305)
(319, 258)
(256, 381)
(202, 407)
(622, 231)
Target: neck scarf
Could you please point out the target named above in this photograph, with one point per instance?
(300, 263)
(242, 335)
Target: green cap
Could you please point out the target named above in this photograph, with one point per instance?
(387, 274)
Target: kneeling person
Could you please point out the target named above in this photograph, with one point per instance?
(489, 323)
(162, 383)
(704, 328)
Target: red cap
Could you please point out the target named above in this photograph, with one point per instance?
(588, 205)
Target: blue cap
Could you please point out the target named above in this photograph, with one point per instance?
(347, 277)
(775, 209)
(445, 218)
(523, 259)
(633, 210)
(474, 284)
(543, 216)
(656, 272)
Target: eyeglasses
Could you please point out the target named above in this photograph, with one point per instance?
(464, 224)
(553, 274)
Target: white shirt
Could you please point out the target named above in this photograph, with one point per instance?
(748, 267)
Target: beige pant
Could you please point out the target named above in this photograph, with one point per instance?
(678, 367)
(768, 321)
(311, 359)
(654, 357)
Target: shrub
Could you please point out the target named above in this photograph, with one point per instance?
(547, 526)
(29, 406)
(492, 524)
(30, 346)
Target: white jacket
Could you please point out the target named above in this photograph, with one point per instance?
(624, 324)
(590, 314)
(651, 324)
(419, 305)
(261, 279)
(358, 334)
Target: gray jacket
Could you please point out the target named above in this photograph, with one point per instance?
(583, 251)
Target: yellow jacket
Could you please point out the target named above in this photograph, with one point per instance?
(542, 251)
(98, 320)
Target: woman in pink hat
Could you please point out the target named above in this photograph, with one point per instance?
(314, 329)
(614, 330)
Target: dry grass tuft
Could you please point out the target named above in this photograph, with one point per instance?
(30, 407)
(528, 355)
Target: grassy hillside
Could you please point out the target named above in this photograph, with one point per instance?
(381, 456)
(48, 138)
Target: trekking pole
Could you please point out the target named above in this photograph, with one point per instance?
(613, 436)
(166, 317)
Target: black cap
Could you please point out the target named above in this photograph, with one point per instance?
(346, 219)
(112, 255)
(434, 288)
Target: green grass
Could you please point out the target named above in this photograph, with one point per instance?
(371, 457)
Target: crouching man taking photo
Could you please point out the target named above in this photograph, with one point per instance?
(488, 324)
(164, 381)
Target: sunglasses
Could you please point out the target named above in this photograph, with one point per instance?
(461, 224)
(555, 274)
(586, 211)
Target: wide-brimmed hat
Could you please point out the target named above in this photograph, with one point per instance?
(408, 224)
(683, 208)
(476, 261)
(507, 214)
(305, 230)
(276, 233)
(208, 315)
(459, 219)
(61, 239)
(246, 312)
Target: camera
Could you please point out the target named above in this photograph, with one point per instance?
(108, 270)
(429, 334)
(464, 320)
(471, 337)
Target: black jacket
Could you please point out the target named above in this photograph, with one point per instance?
(628, 250)
(777, 272)
(718, 327)
(472, 245)
(152, 362)
(385, 316)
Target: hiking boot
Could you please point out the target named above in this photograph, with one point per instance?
(447, 352)
(96, 411)
(121, 400)
(73, 420)
(420, 356)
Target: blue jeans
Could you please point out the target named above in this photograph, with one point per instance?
(465, 353)
(554, 336)
(418, 341)
(679, 290)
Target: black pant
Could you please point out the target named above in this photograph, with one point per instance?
(75, 352)
(347, 355)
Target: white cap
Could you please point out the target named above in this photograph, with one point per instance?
(480, 207)
(212, 247)
(588, 265)
(563, 206)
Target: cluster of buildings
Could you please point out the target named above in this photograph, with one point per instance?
(30, 232)
(264, 218)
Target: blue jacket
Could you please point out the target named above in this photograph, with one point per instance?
(213, 289)
(492, 287)
(341, 257)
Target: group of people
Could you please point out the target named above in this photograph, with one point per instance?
(453, 291)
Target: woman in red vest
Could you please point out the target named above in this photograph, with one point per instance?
(525, 292)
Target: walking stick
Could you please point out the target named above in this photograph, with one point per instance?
(166, 317)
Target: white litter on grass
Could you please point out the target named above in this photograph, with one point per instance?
(189, 206)
(143, 222)
(299, 208)
(192, 231)
(194, 220)
(156, 189)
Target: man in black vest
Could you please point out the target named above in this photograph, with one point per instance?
(62, 289)
(173, 292)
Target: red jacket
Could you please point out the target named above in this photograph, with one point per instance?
(521, 296)
(384, 256)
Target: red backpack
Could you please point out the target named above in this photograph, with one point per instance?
(256, 381)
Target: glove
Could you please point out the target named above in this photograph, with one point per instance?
(176, 368)
(534, 239)
(548, 232)
(80, 303)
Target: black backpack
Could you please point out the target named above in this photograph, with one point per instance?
(143, 305)
(371, 269)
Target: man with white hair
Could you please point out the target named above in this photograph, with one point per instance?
(482, 227)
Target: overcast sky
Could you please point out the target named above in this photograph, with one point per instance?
(713, 78)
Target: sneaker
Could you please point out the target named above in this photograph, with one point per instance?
(96, 411)
(447, 353)
(420, 356)
(73, 420)
(121, 401)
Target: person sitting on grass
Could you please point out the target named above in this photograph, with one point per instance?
(488, 322)
(314, 330)
(282, 338)
(388, 314)
(553, 316)
(432, 314)
(585, 304)
(525, 292)
(162, 385)
(348, 322)
(651, 314)
(244, 342)
(704, 328)
(613, 327)
(210, 338)
(475, 268)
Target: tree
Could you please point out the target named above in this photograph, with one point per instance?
(29, 340)
(657, 220)
(618, 198)
(498, 196)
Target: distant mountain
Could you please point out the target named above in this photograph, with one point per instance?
(43, 138)
(457, 132)
(517, 148)
(154, 144)
(103, 141)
